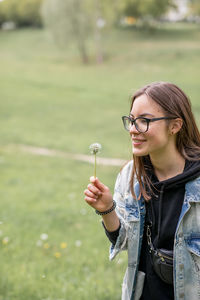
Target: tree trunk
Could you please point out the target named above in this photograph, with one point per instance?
(79, 33)
(82, 50)
(97, 33)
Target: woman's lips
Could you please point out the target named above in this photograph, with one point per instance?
(137, 142)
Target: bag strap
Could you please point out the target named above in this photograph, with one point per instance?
(149, 219)
(149, 223)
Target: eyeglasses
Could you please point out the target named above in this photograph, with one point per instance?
(141, 123)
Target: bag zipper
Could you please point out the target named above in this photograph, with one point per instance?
(163, 257)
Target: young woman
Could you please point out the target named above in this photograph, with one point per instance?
(157, 198)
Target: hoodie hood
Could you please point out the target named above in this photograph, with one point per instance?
(166, 203)
(191, 171)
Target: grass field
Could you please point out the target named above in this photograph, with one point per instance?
(41, 195)
(48, 99)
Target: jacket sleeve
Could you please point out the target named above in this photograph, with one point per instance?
(119, 196)
(112, 235)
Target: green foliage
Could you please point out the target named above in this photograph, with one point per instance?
(76, 21)
(147, 8)
(195, 7)
(68, 18)
(22, 12)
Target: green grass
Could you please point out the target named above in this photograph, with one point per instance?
(40, 195)
(47, 98)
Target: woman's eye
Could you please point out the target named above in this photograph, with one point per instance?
(143, 121)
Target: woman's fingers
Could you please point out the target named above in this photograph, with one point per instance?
(90, 194)
(98, 195)
(90, 200)
(98, 184)
(94, 189)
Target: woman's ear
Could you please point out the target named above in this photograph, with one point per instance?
(175, 126)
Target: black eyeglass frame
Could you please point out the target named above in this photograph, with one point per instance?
(147, 120)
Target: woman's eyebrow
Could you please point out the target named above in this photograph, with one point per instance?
(142, 115)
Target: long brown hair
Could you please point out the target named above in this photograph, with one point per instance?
(174, 103)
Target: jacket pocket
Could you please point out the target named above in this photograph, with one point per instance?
(132, 208)
(193, 246)
(193, 243)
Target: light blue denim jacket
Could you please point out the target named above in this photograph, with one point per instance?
(186, 243)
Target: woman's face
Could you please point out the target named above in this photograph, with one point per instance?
(156, 140)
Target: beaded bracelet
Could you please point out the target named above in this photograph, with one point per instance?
(102, 213)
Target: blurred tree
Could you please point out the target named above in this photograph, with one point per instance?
(21, 12)
(29, 12)
(195, 7)
(147, 8)
(67, 19)
(77, 20)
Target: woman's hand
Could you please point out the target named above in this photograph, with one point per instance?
(100, 198)
(98, 195)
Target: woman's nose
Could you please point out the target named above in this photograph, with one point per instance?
(133, 129)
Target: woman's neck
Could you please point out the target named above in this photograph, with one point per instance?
(168, 167)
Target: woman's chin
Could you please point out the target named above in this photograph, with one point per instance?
(138, 153)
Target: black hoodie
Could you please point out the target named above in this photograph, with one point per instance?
(166, 204)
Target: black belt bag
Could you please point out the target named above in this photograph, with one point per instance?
(162, 260)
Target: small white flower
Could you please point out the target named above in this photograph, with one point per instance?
(95, 148)
(83, 211)
(78, 243)
(44, 236)
(71, 196)
(5, 240)
(100, 23)
(39, 243)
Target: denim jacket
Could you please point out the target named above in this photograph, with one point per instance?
(186, 242)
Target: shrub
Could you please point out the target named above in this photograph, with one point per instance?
(21, 12)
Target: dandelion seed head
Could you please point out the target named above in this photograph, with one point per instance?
(95, 148)
(78, 243)
(39, 243)
(44, 236)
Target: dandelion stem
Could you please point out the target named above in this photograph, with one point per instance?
(95, 164)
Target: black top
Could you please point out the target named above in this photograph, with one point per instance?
(166, 203)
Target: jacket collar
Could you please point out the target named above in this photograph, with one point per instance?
(192, 190)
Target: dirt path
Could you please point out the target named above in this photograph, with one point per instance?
(56, 153)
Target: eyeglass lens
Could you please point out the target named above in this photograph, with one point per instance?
(140, 124)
